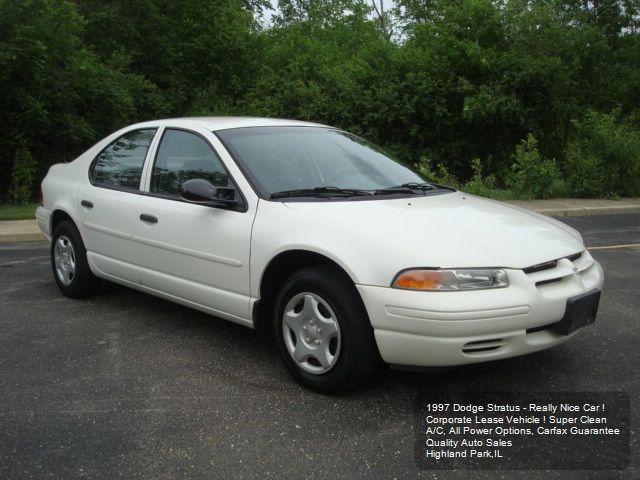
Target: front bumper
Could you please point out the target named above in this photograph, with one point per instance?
(420, 328)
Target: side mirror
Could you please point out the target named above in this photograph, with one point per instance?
(199, 190)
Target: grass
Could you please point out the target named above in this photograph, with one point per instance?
(17, 212)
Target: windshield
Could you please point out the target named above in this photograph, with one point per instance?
(283, 159)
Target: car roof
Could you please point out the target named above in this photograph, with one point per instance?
(225, 123)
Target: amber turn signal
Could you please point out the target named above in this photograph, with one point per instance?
(419, 279)
(451, 280)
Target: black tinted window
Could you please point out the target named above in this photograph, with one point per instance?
(120, 164)
(183, 156)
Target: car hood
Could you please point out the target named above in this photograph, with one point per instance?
(447, 230)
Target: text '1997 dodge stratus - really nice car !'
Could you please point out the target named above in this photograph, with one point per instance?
(316, 237)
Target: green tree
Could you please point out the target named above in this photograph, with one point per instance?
(57, 95)
(533, 176)
(603, 156)
(333, 67)
(201, 55)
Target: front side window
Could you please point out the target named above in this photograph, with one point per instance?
(183, 156)
(119, 165)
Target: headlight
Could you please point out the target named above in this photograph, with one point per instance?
(451, 280)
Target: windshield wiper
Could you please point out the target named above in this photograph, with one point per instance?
(412, 188)
(320, 192)
(406, 188)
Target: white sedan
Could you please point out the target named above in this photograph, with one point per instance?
(317, 238)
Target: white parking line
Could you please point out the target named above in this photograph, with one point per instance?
(26, 260)
(613, 247)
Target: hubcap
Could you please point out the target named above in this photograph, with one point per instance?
(64, 259)
(311, 333)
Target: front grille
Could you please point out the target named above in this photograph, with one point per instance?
(541, 266)
(550, 264)
(574, 257)
(483, 345)
(546, 282)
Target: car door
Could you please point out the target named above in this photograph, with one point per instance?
(107, 200)
(190, 252)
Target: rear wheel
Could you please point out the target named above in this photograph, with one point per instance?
(322, 330)
(69, 262)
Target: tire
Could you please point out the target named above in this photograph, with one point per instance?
(322, 331)
(69, 262)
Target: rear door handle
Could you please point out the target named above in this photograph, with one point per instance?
(145, 217)
(86, 203)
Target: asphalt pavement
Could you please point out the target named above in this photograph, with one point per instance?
(125, 385)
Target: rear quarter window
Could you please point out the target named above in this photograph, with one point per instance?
(119, 165)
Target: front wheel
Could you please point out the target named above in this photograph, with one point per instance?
(322, 330)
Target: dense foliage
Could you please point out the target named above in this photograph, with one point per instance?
(541, 97)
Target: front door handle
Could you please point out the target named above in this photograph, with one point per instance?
(145, 217)
(86, 204)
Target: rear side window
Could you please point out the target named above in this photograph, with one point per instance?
(183, 156)
(120, 164)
